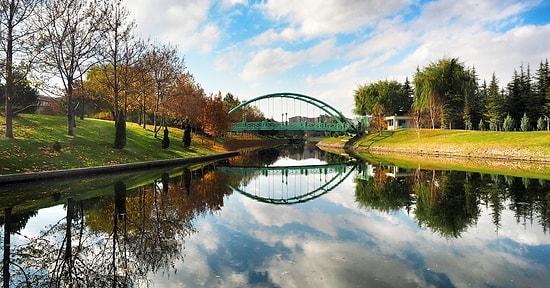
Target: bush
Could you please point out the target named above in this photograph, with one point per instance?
(165, 139)
(508, 123)
(524, 124)
(56, 146)
(540, 124)
(187, 135)
(481, 125)
(120, 131)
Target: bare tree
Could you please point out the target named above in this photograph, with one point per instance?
(165, 67)
(120, 50)
(18, 26)
(72, 36)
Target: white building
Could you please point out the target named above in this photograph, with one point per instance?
(396, 122)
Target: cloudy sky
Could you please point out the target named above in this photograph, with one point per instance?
(325, 49)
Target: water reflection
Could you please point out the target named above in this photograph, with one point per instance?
(282, 185)
(352, 224)
(112, 240)
(449, 202)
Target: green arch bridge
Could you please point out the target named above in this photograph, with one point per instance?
(337, 121)
(297, 184)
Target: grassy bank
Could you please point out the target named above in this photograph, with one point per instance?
(32, 149)
(531, 146)
(523, 154)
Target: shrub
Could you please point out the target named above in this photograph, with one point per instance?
(540, 124)
(165, 139)
(481, 125)
(508, 123)
(120, 131)
(187, 136)
(56, 146)
(524, 124)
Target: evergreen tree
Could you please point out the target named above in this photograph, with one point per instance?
(542, 88)
(540, 124)
(494, 108)
(120, 130)
(533, 105)
(409, 95)
(165, 139)
(508, 123)
(472, 101)
(481, 104)
(187, 134)
(524, 124)
(519, 100)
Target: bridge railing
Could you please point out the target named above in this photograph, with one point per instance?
(294, 126)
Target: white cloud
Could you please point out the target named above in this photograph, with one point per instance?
(183, 24)
(327, 50)
(313, 19)
(269, 62)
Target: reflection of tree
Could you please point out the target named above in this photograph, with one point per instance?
(12, 224)
(383, 193)
(116, 241)
(332, 158)
(443, 204)
(493, 194)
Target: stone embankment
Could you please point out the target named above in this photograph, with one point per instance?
(449, 151)
(111, 169)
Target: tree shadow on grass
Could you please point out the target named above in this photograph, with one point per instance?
(348, 147)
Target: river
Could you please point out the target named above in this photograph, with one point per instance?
(291, 216)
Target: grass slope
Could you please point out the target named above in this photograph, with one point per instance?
(534, 145)
(32, 147)
(525, 154)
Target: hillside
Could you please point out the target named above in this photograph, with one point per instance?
(512, 153)
(32, 149)
(532, 146)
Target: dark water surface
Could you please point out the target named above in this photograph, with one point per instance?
(293, 217)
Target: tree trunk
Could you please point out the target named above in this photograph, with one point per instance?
(9, 73)
(7, 244)
(70, 111)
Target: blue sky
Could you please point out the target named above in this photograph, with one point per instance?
(325, 49)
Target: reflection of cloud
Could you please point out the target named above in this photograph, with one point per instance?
(330, 242)
(43, 219)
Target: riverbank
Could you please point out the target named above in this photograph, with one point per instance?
(522, 154)
(522, 146)
(34, 148)
(110, 169)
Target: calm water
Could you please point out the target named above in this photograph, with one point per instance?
(296, 217)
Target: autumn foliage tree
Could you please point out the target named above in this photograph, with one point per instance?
(378, 120)
(215, 118)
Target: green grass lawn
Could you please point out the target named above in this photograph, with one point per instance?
(523, 154)
(533, 145)
(31, 149)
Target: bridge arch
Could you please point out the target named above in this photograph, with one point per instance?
(331, 111)
(338, 173)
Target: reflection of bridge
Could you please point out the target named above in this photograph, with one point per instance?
(289, 185)
(335, 122)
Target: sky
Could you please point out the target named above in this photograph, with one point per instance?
(327, 48)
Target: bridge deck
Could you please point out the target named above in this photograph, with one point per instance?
(292, 126)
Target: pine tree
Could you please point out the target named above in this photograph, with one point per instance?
(120, 130)
(494, 108)
(187, 134)
(515, 105)
(508, 123)
(524, 124)
(165, 139)
(542, 88)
